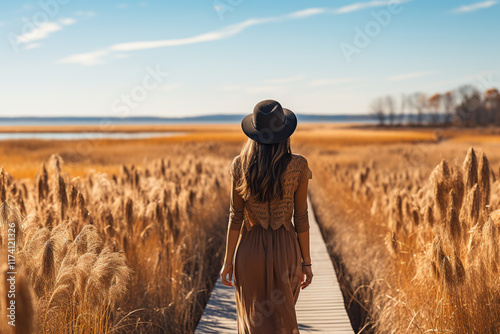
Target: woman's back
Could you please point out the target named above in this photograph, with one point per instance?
(278, 211)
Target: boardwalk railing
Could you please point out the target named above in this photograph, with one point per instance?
(320, 307)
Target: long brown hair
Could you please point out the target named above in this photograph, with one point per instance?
(262, 166)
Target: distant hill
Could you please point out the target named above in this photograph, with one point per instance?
(173, 120)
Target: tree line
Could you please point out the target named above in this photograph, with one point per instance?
(466, 106)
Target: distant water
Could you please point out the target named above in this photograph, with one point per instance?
(209, 119)
(86, 135)
(108, 122)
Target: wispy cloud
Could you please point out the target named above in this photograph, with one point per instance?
(363, 5)
(475, 6)
(223, 33)
(207, 37)
(411, 75)
(31, 46)
(44, 30)
(306, 13)
(89, 58)
(335, 81)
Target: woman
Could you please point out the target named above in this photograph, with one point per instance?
(272, 260)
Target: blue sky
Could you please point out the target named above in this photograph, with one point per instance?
(185, 58)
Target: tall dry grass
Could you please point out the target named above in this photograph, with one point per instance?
(417, 253)
(128, 252)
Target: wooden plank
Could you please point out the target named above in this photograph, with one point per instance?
(320, 307)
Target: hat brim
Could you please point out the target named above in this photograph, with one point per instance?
(268, 136)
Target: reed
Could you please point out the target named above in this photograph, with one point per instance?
(430, 244)
(131, 252)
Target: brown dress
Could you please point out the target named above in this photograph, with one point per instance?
(267, 265)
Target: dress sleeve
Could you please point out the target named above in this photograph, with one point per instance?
(305, 172)
(237, 203)
(300, 214)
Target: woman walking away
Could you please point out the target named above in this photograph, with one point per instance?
(271, 256)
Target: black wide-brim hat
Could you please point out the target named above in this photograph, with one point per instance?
(269, 123)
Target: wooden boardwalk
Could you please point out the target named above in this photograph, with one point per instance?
(320, 307)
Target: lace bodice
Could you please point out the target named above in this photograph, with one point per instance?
(278, 211)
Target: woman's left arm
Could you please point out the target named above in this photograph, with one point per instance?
(233, 231)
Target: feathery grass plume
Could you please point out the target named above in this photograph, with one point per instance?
(454, 227)
(435, 270)
(470, 170)
(398, 207)
(436, 247)
(55, 162)
(199, 168)
(41, 183)
(474, 245)
(20, 201)
(436, 257)
(447, 273)
(108, 279)
(445, 169)
(73, 197)
(474, 205)
(82, 210)
(9, 216)
(441, 198)
(162, 167)
(458, 269)
(391, 243)
(406, 208)
(429, 216)
(49, 220)
(3, 194)
(490, 237)
(48, 259)
(484, 180)
(415, 216)
(63, 197)
(136, 179)
(129, 214)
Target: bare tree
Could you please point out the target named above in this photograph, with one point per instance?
(418, 103)
(449, 105)
(402, 109)
(434, 107)
(492, 103)
(467, 111)
(377, 109)
(390, 106)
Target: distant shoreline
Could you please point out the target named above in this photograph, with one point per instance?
(208, 119)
